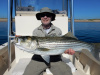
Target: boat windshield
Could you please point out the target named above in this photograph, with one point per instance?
(58, 6)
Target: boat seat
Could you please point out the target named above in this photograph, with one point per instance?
(24, 26)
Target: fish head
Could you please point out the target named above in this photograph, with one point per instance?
(27, 42)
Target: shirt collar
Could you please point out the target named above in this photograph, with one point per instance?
(52, 27)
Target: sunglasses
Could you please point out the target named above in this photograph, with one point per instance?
(45, 14)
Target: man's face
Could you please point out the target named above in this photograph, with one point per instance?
(46, 18)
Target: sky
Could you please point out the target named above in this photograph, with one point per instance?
(83, 9)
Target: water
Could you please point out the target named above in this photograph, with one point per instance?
(84, 31)
(4, 32)
(88, 31)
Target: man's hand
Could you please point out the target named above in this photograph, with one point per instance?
(69, 51)
(17, 35)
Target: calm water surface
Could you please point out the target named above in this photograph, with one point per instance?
(4, 32)
(88, 31)
(85, 31)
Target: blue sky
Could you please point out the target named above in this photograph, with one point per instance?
(87, 9)
(83, 9)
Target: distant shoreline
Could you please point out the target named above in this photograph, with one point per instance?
(88, 20)
(4, 19)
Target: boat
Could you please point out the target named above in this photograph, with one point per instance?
(13, 61)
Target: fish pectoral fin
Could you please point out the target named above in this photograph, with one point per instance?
(43, 49)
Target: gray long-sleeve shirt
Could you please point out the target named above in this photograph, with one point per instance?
(54, 31)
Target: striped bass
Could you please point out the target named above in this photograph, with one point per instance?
(50, 45)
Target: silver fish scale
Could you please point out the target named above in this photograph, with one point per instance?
(63, 45)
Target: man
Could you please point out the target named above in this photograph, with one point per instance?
(38, 63)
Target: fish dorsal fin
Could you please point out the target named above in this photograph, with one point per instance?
(69, 34)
